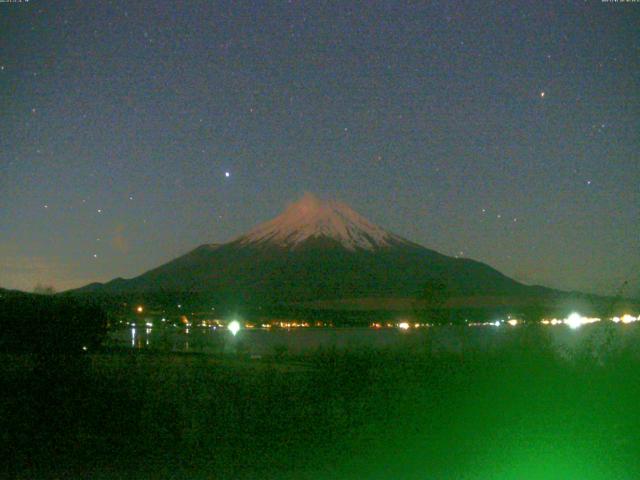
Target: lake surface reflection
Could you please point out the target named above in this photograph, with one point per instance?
(438, 339)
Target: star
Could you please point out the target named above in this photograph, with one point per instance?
(95, 255)
(542, 94)
(46, 206)
(227, 174)
(99, 210)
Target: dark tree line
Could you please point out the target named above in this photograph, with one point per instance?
(46, 324)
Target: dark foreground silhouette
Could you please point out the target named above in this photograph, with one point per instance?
(49, 325)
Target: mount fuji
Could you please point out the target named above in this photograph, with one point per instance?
(311, 218)
(318, 251)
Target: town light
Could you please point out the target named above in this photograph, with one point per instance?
(139, 309)
(234, 327)
(574, 320)
(628, 319)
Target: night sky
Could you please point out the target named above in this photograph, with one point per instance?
(508, 132)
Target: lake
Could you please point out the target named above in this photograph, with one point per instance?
(258, 341)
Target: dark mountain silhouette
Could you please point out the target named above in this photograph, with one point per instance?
(318, 251)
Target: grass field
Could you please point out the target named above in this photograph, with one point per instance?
(523, 412)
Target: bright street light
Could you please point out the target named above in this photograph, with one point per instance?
(234, 327)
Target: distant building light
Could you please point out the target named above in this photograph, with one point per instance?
(403, 326)
(139, 309)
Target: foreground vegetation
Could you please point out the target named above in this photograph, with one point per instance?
(522, 412)
(50, 325)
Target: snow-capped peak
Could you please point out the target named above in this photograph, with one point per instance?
(311, 217)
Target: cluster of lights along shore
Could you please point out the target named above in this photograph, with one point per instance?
(234, 325)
